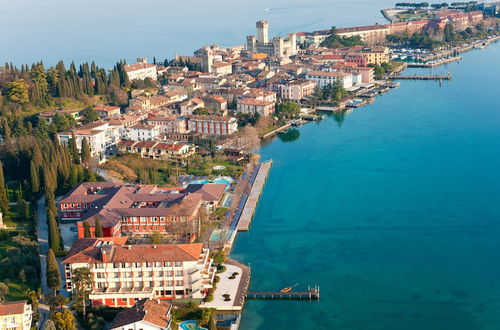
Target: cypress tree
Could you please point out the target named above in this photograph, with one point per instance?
(86, 230)
(98, 228)
(53, 274)
(73, 175)
(54, 236)
(23, 210)
(74, 150)
(85, 155)
(89, 175)
(4, 200)
(34, 178)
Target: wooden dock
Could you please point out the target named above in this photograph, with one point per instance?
(311, 294)
(254, 195)
(421, 77)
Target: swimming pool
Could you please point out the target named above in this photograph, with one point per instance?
(190, 325)
(220, 180)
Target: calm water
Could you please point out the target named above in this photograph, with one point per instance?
(109, 30)
(393, 211)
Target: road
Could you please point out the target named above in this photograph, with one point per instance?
(42, 232)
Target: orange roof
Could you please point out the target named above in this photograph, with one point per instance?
(12, 307)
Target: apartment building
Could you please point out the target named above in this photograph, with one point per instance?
(213, 125)
(325, 78)
(124, 274)
(168, 125)
(94, 133)
(157, 150)
(107, 110)
(15, 315)
(296, 90)
(253, 106)
(142, 132)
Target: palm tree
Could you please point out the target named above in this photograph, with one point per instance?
(83, 282)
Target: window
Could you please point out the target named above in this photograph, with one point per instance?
(124, 300)
(138, 264)
(167, 264)
(178, 264)
(178, 273)
(115, 265)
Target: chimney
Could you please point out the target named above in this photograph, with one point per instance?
(104, 256)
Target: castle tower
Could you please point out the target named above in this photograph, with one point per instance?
(251, 44)
(207, 59)
(292, 37)
(262, 31)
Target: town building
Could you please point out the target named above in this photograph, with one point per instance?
(141, 70)
(325, 78)
(253, 106)
(213, 125)
(169, 124)
(107, 110)
(278, 46)
(125, 274)
(15, 315)
(187, 107)
(142, 132)
(296, 90)
(49, 116)
(367, 73)
(146, 314)
(94, 133)
(124, 209)
(157, 150)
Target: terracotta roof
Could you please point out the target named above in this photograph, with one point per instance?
(169, 146)
(145, 144)
(255, 102)
(12, 307)
(152, 311)
(138, 66)
(328, 74)
(88, 250)
(212, 192)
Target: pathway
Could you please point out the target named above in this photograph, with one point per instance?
(253, 198)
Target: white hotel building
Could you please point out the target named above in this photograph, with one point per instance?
(324, 78)
(124, 274)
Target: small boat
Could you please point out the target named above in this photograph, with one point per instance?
(287, 289)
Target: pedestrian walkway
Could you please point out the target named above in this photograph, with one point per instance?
(253, 198)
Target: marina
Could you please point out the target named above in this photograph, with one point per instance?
(311, 294)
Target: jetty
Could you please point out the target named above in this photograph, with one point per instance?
(421, 77)
(433, 64)
(311, 294)
(254, 195)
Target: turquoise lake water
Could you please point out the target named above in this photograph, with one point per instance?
(393, 210)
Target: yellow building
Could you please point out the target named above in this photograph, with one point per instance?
(15, 315)
(376, 55)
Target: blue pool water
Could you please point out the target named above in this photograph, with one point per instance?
(190, 325)
(220, 180)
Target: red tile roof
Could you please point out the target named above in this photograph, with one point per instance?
(152, 311)
(12, 307)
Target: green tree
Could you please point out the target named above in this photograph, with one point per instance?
(53, 275)
(49, 325)
(98, 228)
(288, 110)
(89, 115)
(65, 320)
(73, 149)
(61, 122)
(54, 235)
(34, 178)
(23, 209)
(85, 154)
(86, 230)
(156, 238)
(4, 290)
(17, 91)
(82, 286)
(89, 175)
(4, 200)
(200, 112)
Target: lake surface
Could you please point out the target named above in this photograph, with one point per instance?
(393, 210)
(108, 30)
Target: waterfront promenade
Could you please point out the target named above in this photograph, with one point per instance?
(253, 197)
